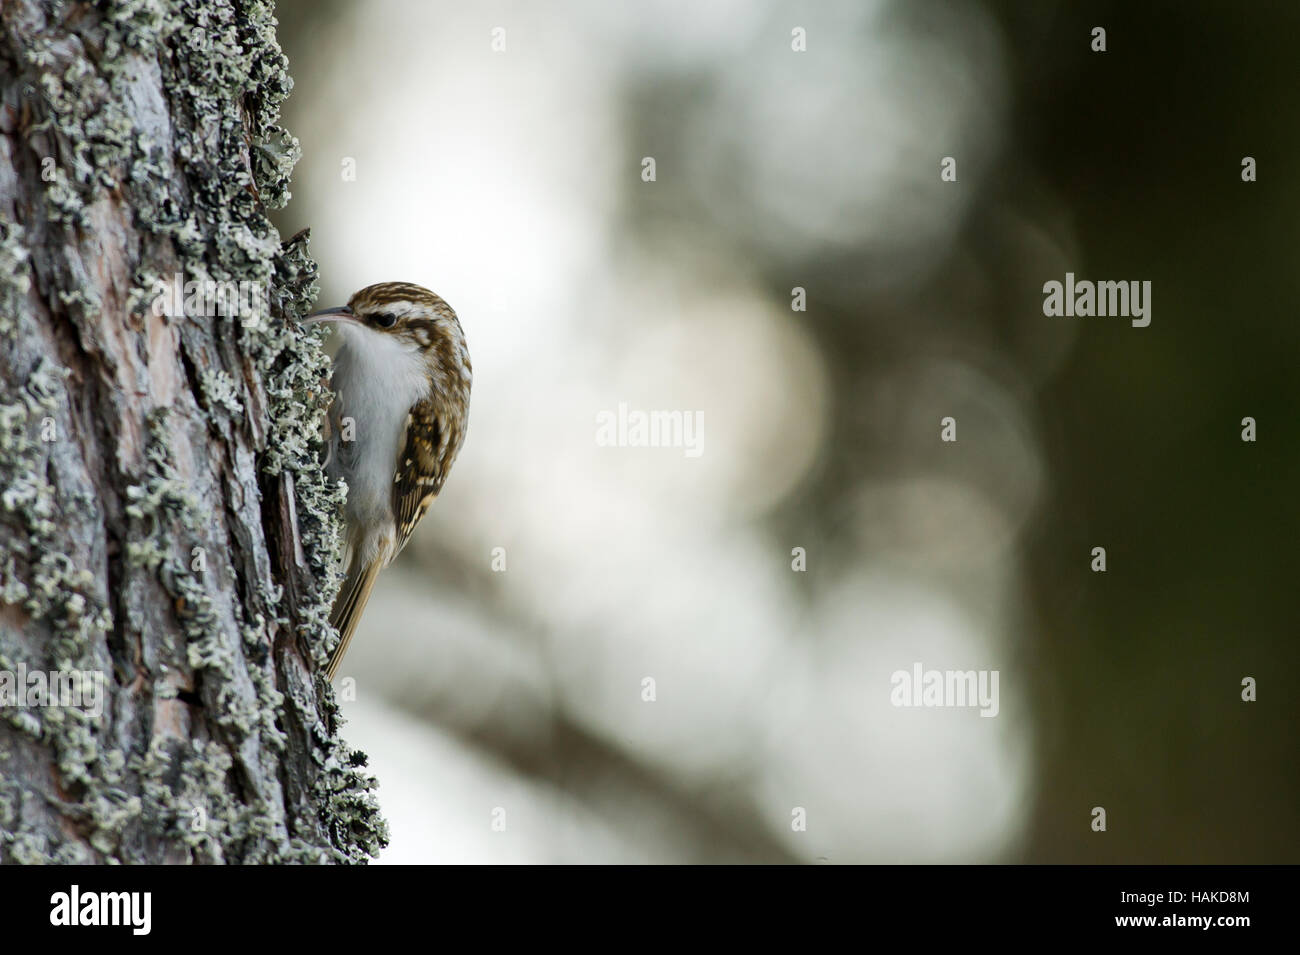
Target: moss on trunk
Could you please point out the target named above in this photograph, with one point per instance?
(164, 520)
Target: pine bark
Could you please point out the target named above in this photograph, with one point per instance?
(164, 521)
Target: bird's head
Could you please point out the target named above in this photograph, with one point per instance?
(407, 318)
(407, 313)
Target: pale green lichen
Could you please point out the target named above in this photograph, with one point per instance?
(225, 70)
(30, 499)
(14, 280)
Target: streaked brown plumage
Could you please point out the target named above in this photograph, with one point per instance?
(401, 382)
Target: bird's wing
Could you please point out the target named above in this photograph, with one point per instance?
(421, 469)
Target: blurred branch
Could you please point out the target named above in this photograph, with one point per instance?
(711, 825)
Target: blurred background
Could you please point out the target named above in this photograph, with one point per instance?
(495, 155)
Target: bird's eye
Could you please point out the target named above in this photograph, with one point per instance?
(385, 320)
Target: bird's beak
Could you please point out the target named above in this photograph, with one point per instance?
(335, 315)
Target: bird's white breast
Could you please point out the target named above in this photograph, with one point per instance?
(377, 378)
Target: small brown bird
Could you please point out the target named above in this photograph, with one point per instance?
(401, 402)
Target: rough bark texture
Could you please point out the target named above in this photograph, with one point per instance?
(163, 517)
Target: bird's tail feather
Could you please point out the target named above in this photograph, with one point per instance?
(349, 605)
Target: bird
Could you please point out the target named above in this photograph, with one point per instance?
(401, 381)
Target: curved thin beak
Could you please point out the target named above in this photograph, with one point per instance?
(340, 314)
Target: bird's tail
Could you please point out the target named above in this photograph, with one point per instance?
(347, 608)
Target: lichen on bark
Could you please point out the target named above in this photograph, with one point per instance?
(164, 519)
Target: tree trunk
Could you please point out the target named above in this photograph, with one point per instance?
(166, 531)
